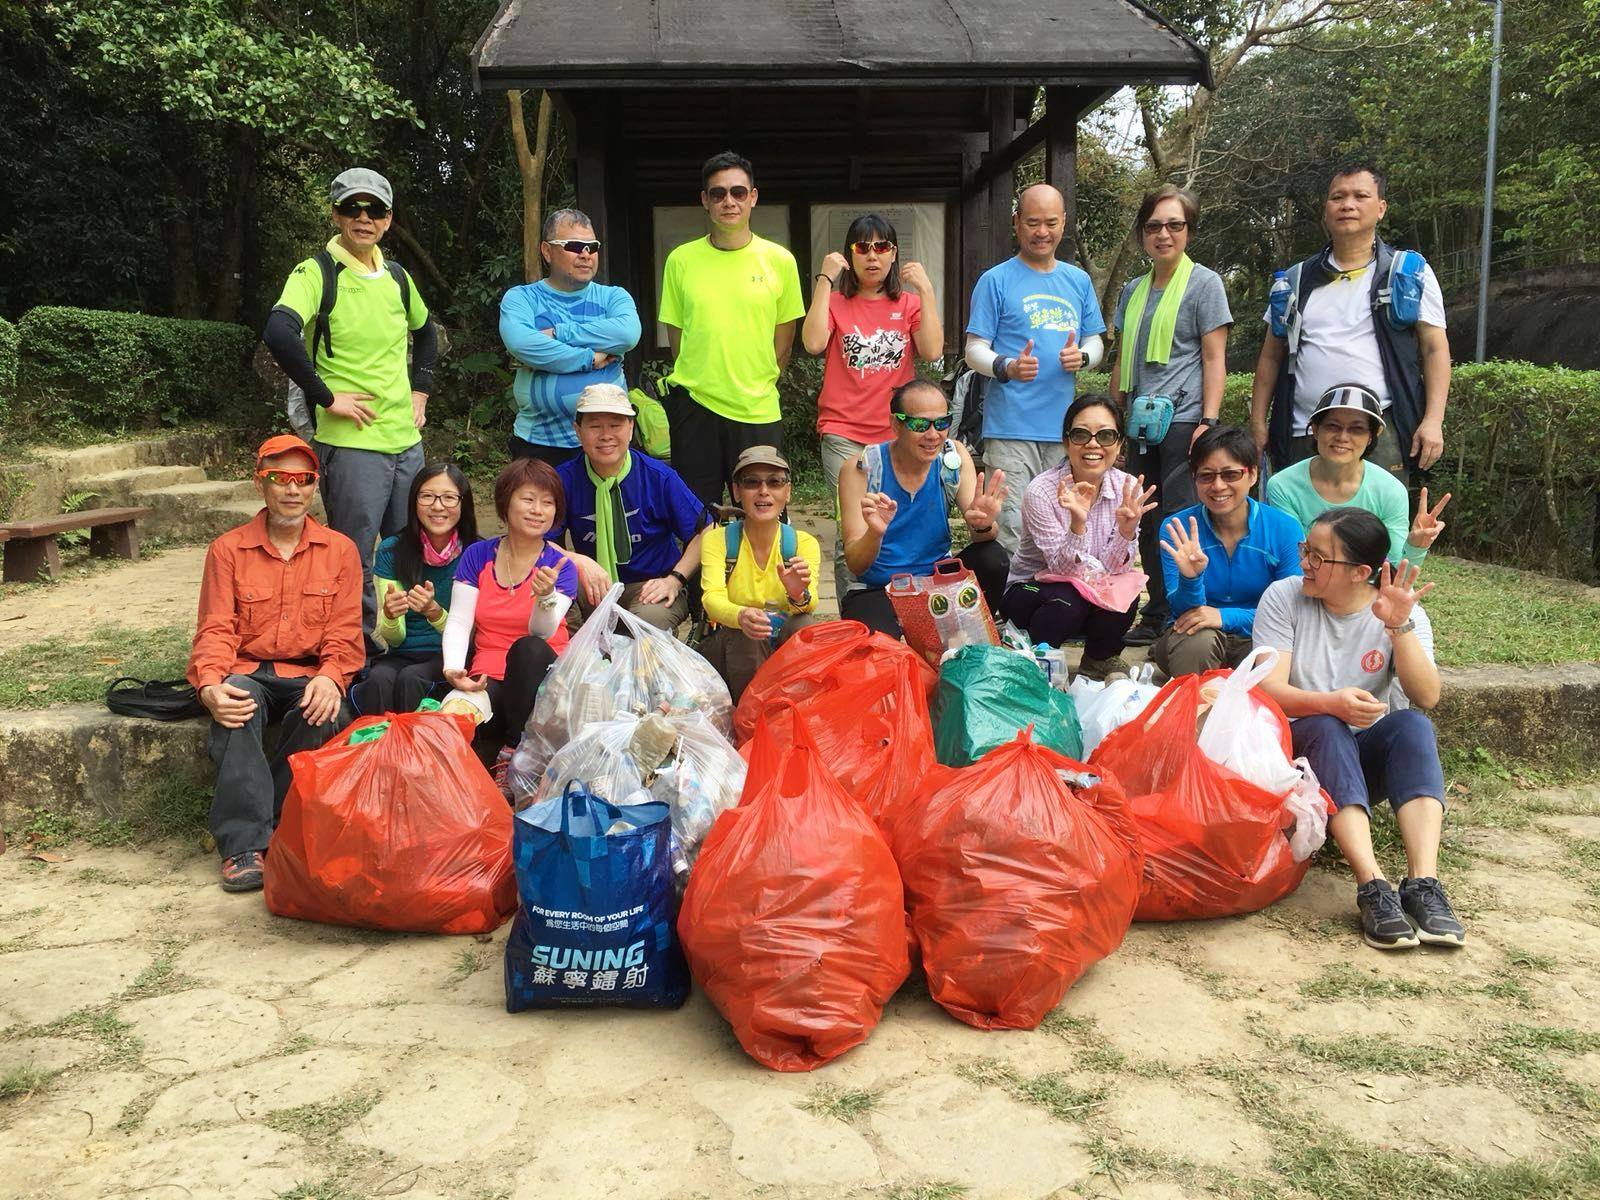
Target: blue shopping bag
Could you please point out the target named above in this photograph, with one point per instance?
(596, 911)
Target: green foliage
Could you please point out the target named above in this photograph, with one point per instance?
(115, 371)
(8, 364)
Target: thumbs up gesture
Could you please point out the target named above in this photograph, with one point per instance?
(1072, 356)
(1024, 367)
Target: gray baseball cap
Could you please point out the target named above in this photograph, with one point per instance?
(359, 181)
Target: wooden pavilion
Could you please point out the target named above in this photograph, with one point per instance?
(920, 108)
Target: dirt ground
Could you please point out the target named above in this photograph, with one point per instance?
(159, 590)
(162, 1038)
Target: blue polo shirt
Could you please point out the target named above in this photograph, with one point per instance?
(663, 515)
(1232, 583)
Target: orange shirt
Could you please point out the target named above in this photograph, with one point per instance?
(301, 614)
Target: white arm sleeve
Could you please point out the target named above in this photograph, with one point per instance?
(547, 614)
(980, 355)
(458, 625)
(1093, 351)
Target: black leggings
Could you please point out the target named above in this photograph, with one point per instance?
(527, 663)
(1057, 612)
(988, 562)
(398, 682)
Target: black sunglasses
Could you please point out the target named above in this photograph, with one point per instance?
(881, 246)
(575, 246)
(718, 194)
(1152, 228)
(1079, 436)
(376, 209)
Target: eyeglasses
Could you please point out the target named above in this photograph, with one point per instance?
(287, 478)
(1104, 438)
(1151, 228)
(376, 209)
(718, 194)
(1313, 561)
(881, 246)
(923, 424)
(771, 482)
(1227, 475)
(575, 246)
(438, 499)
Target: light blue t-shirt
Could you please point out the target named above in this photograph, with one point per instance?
(1012, 304)
(559, 365)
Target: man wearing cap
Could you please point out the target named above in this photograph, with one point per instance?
(630, 518)
(370, 404)
(565, 332)
(1344, 326)
(756, 573)
(278, 639)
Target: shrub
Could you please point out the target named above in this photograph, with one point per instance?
(8, 362)
(114, 371)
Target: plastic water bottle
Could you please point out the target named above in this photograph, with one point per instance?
(1278, 303)
(776, 617)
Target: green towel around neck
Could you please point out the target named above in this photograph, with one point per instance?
(611, 518)
(1163, 324)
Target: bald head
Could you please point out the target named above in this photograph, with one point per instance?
(1040, 222)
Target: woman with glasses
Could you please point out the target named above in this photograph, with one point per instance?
(1073, 576)
(756, 573)
(1219, 555)
(1355, 667)
(1346, 426)
(413, 572)
(894, 504)
(872, 317)
(1173, 324)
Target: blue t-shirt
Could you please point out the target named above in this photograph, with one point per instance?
(1232, 584)
(420, 635)
(919, 532)
(663, 515)
(559, 365)
(1012, 304)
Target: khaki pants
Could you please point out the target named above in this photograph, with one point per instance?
(1022, 462)
(737, 658)
(837, 451)
(1195, 653)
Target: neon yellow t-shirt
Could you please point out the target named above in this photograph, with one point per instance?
(728, 303)
(369, 333)
(749, 586)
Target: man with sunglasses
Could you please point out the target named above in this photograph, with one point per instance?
(278, 639)
(730, 301)
(1035, 323)
(371, 404)
(564, 331)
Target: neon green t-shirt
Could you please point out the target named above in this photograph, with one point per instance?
(728, 303)
(369, 332)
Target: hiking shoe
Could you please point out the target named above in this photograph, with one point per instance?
(1383, 921)
(501, 772)
(242, 872)
(1099, 668)
(1424, 902)
(1142, 634)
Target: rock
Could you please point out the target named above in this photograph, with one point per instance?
(1190, 1121)
(778, 1144)
(201, 1029)
(621, 1152)
(1150, 1010)
(44, 1053)
(1396, 1113)
(251, 1092)
(445, 1109)
(1518, 713)
(449, 1026)
(243, 1162)
(40, 986)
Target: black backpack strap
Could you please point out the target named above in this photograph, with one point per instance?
(330, 294)
(404, 280)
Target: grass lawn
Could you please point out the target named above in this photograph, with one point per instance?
(73, 668)
(1486, 614)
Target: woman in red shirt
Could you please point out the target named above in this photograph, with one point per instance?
(872, 318)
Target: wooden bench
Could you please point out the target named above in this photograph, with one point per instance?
(30, 546)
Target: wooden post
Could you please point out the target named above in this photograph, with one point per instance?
(530, 165)
(590, 176)
(1061, 158)
(975, 258)
(1002, 128)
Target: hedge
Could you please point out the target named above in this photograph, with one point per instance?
(1522, 458)
(113, 371)
(8, 365)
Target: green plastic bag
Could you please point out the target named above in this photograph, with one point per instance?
(987, 694)
(650, 424)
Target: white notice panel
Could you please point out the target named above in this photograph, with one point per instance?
(919, 228)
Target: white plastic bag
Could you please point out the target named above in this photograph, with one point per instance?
(1103, 707)
(1310, 812)
(1240, 735)
(616, 664)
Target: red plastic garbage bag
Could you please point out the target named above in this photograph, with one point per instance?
(794, 919)
(818, 660)
(406, 832)
(1215, 844)
(1017, 880)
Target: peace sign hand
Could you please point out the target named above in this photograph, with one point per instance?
(1398, 593)
(1078, 499)
(1136, 501)
(984, 510)
(1425, 530)
(1184, 549)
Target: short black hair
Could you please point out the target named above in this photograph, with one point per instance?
(1086, 400)
(897, 398)
(1232, 440)
(1364, 538)
(726, 160)
(1359, 166)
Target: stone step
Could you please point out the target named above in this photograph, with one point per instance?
(120, 487)
(199, 510)
(40, 482)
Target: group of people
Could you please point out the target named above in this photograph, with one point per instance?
(398, 599)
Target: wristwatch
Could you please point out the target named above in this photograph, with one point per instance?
(1395, 631)
(1001, 366)
(1209, 422)
(679, 576)
(805, 599)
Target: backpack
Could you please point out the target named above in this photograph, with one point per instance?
(966, 404)
(154, 699)
(949, 469)
(1397, 283)
(733, 535)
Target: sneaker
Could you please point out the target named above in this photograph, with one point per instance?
(1424, 902)
(501, 772)
(1142, 634)
(1383, 921)
(242, 872)
(1100, 668)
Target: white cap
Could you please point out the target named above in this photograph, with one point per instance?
(605, 398)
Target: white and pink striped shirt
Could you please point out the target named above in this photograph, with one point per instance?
(1048, 546)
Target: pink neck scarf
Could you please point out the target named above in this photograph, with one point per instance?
(441, 558)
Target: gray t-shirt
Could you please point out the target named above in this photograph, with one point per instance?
(1332, 652)
(1204, 307)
